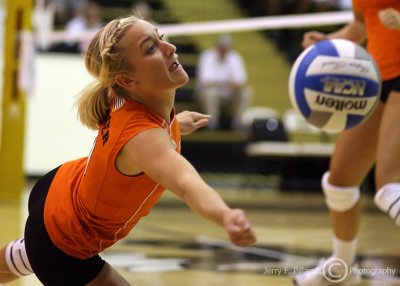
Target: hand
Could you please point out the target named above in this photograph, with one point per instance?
(310, 38)
(238, 228)
(390, 17)
(189, 121)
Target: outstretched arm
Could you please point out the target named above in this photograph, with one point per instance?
(151, 151)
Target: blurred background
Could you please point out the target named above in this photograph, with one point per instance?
(268, 49)
(270, 164)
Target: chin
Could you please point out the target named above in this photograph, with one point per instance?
(183, 80)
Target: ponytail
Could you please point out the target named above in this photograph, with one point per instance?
(93, 105)
(104, 59)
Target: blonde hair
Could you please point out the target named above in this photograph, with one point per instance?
(104, 59)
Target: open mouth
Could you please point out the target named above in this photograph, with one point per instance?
(175, 66)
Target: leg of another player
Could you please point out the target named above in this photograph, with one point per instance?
(388, 167)
(354, 156)
(109, 277)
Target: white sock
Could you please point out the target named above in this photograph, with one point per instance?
(388, 200)
(345, 250)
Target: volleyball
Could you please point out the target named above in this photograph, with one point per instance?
(334, 84)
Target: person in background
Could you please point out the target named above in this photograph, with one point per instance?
(142, 10)
(222, 81)
(80, 29)
(376, 141)
(85, 206)
(87, 21)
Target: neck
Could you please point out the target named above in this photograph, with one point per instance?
(164, 111)
(160, 104)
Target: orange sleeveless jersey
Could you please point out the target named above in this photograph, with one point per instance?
(90, 205)
(383, 44)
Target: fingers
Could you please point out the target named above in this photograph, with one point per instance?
(390, 18)
(244, 240)
(199, 116)
(310, 38)
(239, 229)
(242, 237)
(189, 121)
(199, 120)
(193, 116)
(201, 123)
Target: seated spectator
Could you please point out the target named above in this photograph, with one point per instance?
(87, 21)
(222, 81)
(143, 10)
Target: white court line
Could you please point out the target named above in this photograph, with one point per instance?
(253, 250)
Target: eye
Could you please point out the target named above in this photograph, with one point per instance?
(154, 44)
(151, 49)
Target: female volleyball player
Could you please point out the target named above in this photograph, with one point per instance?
(375, 141)
(85, 206)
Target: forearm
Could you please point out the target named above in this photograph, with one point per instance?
(353, 31)
(201, 198)
(152, 153)
(205, 201)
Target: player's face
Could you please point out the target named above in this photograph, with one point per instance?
(154, 61)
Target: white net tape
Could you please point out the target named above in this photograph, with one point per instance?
(235, 25)
(259, 23)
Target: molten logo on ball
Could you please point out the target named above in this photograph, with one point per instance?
(335, 85)
(340, 104)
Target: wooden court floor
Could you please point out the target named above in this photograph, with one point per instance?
(173, 246)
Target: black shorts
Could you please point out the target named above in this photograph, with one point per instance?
(52, 266)
(388, 86)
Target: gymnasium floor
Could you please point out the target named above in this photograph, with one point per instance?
(173, 246)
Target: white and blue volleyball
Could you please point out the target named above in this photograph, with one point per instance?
(335, 85)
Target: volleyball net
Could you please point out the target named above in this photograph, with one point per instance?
(265, 23)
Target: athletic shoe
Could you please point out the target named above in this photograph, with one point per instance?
(332, 271)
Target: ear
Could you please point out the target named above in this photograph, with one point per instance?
(124, 81)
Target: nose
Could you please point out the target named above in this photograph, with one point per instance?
(169, 49)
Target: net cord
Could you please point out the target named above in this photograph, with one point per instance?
(234, 25)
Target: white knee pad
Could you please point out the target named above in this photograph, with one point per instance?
(16, 258)
(388, 200)
(339, 199)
